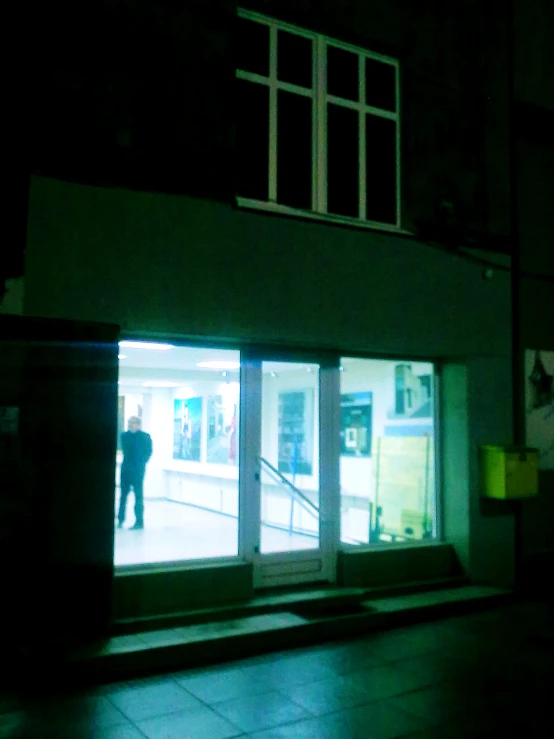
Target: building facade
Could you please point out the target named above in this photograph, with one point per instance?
(146, 219)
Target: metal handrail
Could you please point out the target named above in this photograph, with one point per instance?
(289, 484)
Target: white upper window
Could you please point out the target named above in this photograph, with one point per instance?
(318, 125)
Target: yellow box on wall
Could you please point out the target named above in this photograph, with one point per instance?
(509, 472)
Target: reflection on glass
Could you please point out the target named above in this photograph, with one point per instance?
(387, 451)
(187, 401)
(380, 84)
(381, 195)
(294, 153)
(289, 464)
(252, 48)
(343, 153)
(343, 78)
(252, 140)
(294, 59)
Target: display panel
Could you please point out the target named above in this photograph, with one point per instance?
(387, 467)
(177, 466)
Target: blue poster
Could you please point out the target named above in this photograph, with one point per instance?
(187, 429)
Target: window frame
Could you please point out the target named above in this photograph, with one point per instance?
(321, 98)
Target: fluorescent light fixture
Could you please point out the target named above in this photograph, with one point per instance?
(218, 364)
(122, 356)
(145, 345)
(160, 383)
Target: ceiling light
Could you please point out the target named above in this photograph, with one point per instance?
(218, 364)
(160, 383)
(149, 346)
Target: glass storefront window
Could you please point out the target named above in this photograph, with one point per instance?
(387, 464)
(289, 464)
(177, 459)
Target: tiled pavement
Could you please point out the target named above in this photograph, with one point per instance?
(485, 675)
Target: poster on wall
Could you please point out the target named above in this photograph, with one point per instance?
(187, 429)
(539, 405)
(412, 397)
(222, 429)
(356, 424)
(295, 434)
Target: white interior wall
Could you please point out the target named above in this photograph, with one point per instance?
(216, 485)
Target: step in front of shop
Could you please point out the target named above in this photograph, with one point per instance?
(138, 655)
(286, 600)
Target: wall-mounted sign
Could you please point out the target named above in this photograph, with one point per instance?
(355, 424)
(296, 430)
(187, 429)
(9, 420)
(539, 402)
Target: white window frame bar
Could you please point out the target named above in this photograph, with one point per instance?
(319, 126)
(398, 149)
(273, 112)
(250, 421)
(362, 154)
(438, 520)
(320, 163)
(329, 467)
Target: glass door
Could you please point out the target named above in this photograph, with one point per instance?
(289, 476)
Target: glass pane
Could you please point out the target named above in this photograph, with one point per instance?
(342, 161)
(387, 461)
(252, 140)
(252, 47)
(380, 84)
(290, 457)
(181, 502)
(294, 150)
(343, 75)
(294, 59)
(381, 169)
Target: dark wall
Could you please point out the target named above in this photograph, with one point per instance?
(449, 80)
(534, 151)
(140, 95)
(57, 543)
(132, 93)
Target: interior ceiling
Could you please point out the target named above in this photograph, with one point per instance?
(177, 358)
(187, 358)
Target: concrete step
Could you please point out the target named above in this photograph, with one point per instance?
(272, 602)
(150, 652)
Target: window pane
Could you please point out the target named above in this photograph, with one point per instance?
(343, 74)
(387, 451)
(380, 85)
(294, 150)
(342, 161)
(294, 59)
(252, 140)
(252, 47)
(289, 463)
(182, 500)
(381, 169)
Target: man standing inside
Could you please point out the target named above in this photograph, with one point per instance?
(137, 450)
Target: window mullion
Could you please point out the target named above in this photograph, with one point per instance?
(273, 114)
(362, 135)
(321, 118)
(398, 153)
